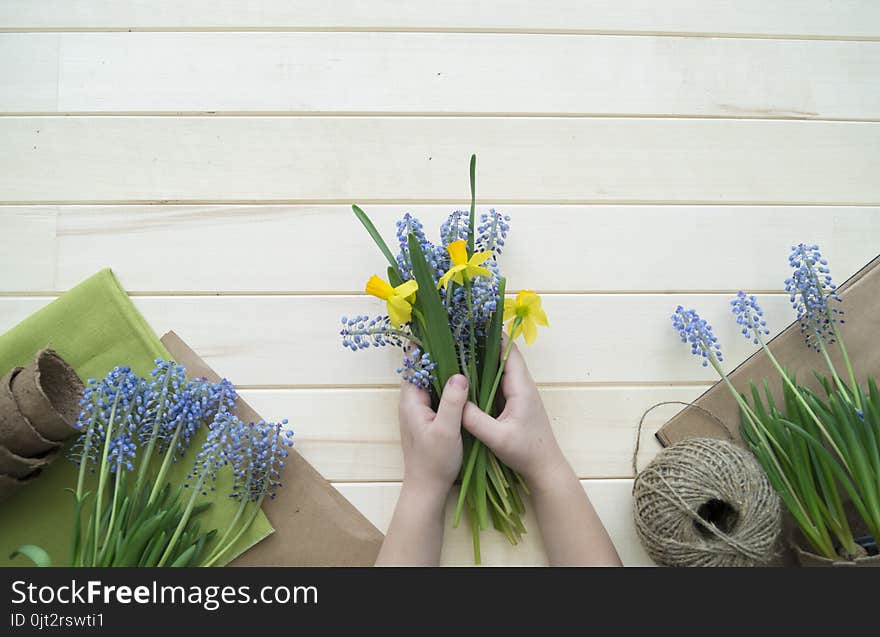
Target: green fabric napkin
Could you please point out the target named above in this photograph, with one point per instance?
(94, 327)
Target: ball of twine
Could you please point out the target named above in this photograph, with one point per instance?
(706, 502)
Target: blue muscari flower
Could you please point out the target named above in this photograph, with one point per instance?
(407, 225)
(492, 231)
(455, 227)
(91, 438)
(166, 385)
(198, 402)
(811, 291)
(117, 400)
(224, 438)
(258, 460)
(417, 368)
(749, 316)
(698, 333)
(361, 332)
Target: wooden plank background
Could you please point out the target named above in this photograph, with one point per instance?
(650, 153)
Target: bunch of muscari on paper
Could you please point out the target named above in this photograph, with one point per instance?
(132, 430)
(815, 449)
(446, 310)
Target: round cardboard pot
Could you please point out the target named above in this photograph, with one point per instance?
(9, 485)
(806, 558)
(18, 467)
(16, 432)
(48, 392)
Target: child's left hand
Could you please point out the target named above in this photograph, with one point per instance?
(432, 451)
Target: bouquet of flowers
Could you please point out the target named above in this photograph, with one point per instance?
(132, 430)
(815, 449)
(446, 309)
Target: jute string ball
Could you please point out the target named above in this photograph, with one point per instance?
(706, 502)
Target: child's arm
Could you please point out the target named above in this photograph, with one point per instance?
(521, 436)
(432, 455)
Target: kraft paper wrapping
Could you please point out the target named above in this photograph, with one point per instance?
(860, 300)
(314, 524)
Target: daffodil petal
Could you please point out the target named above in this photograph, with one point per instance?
(509, 309)
(407, 289)
(379, 288)
(458, 252)
(476, 270)
(399, 311)
(539, 315)
(444, 280)
(530, 330)
(514, 333)
(479, 257)
(527, 298)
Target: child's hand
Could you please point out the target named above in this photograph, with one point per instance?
(432, 451)
(521, 436)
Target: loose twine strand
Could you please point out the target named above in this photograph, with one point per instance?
(669, 493)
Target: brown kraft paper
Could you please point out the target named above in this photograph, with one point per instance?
(314, 524)
(16, 432)
(47, 393)
(860, 296)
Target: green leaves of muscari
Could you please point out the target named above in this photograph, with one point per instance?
(807, 474)
(34, 553)
(371, 229)
(431, 316)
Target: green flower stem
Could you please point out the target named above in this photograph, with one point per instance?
(148, 454)
(804, 404)
(244, 527)
(159, 482)
(475, 448)
(824, 351)
(113, 506)
(103, 470)
(849, 367)
(221, 548)
(472, 368)
(184, 520)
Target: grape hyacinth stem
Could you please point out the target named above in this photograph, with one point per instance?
(475, 448)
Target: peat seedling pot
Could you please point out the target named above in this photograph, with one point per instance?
(871, 556)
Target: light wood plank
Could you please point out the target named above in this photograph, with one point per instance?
(314, 248)
(438, 73)
(294, 340)
(28, 247)
(842, 18)
(352, 435)
(92, 159)
(612, 499)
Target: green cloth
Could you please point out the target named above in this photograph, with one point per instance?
(94, 327)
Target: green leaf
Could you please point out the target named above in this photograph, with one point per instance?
(480, 486)
(436, 320)
(473, 174)
(184, 557)
(492, 356)
(34, 553)
(371, 229)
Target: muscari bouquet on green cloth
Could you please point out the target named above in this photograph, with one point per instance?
(817, 450)
(446, 310)
(133, 430)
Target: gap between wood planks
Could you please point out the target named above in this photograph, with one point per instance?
(788, 117)
(455, 30)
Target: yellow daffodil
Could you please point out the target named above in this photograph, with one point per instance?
(399, 299)
(462, 266)
(526, 309)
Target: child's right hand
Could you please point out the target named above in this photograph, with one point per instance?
(521, 436)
